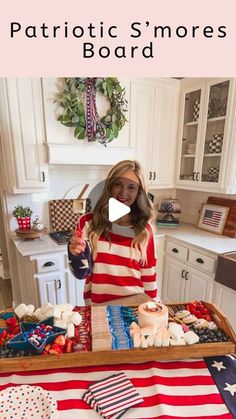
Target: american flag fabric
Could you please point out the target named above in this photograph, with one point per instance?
(223, 369)
(211, 218)
(170, 390)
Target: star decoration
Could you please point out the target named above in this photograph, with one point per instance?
(85, 263)
(218, 365)
(231, 388)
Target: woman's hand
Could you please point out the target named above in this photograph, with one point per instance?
(77, 244)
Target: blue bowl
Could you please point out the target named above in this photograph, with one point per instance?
(25, 326)
(18, 343)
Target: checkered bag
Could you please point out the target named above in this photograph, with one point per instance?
(62, 214)
(196, 109)
(215, 145)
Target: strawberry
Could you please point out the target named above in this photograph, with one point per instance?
(12, 322)
(68, 346)
(198, 314)
(192, 306)
(56, 347)
(53, 352)
(47, 347)
(60, 340)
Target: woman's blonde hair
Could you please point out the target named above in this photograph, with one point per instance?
(141, 210)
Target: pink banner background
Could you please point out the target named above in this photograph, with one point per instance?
(40, 56)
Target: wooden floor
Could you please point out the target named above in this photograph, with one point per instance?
(5, 291)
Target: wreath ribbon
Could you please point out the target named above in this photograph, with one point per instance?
(93, 122)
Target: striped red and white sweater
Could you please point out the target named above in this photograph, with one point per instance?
(117, 271)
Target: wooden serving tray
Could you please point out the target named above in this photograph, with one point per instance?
(31, 234)
(76, 359)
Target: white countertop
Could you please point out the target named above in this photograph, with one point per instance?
(38, 246)
(185, 232)
(209, 241)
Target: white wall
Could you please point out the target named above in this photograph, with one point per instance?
(191, 202)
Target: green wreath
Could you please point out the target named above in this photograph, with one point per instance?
(78, 101)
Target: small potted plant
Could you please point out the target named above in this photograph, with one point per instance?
(23, 216)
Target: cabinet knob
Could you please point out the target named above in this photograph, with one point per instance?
(59, 284)
(150, 176)
(175, 250)
(183, 273)
(154, 175)
(186, 276)
(43, 176)
(49, 263)
(199, 260)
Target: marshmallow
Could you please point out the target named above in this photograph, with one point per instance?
(165, 337)
(65, 307)
(45, 307)
(143, 342)
(70, 330)
(136, 340)
(37, 312)
(30, 309)
(176, 331)
(150, 340)
(135, 327)
(148, 330)
(60, 323)
(76, 318)
(66, 316)
(21, 310)
(158, 337)
(56, 313)
(191, 337)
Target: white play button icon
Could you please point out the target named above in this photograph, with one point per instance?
(116, 209)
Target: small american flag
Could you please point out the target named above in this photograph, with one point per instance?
(212, 218)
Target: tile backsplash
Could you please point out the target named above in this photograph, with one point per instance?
(191, 203)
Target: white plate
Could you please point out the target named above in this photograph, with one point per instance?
(26, 401)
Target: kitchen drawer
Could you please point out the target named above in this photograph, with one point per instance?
(202, 261)
(177, 250)
(49, 263)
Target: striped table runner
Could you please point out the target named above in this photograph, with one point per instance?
(175, 389)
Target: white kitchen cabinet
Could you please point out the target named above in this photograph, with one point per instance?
(188, 273)
(153, 122)
(225, 299)
(51, 288)
(207, 135)
(47, 278)
(64, 148)
(22, 135)
(160, 253)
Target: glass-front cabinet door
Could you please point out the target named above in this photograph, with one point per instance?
(190, 135)
(204, 134)
(214, 133)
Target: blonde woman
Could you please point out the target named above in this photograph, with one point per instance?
(117, 259)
